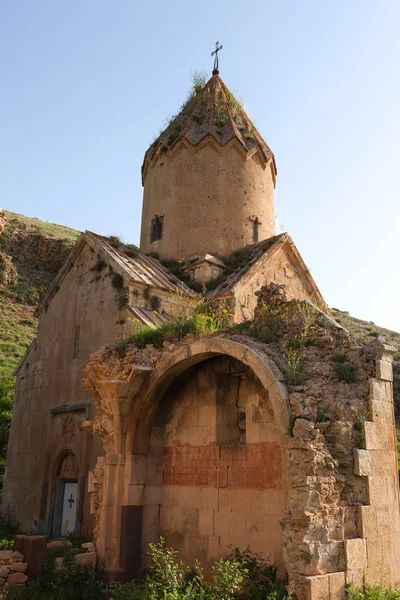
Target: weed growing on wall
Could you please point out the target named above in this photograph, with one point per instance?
(297, 373)
(345, 372)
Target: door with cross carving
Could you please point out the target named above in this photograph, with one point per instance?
(69, 508)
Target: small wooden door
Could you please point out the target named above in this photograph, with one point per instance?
(69, 508)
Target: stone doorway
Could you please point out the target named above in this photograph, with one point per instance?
(65, 496)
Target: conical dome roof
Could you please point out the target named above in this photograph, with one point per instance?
(213, 111)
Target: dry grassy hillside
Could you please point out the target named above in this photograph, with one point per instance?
(31, 253)
(365, 332)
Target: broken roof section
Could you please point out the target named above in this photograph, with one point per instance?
(137, 267)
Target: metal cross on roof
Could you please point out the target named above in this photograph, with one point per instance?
(215, 53)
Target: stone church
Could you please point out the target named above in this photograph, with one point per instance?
(190, 440)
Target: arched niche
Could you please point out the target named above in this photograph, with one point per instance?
(210, 432)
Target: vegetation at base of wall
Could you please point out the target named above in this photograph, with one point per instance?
(241, 576)
(7, 532)
(382, 591)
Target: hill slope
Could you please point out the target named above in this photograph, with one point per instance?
(31, 253)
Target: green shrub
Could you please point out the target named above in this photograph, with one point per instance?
(345, 372)
(117, 281)
(373, 592)
(339, 357)
(297, 372)
(72, 582)
(99, 265)
(146, 335)
(114, 241)
(155, 302)
(212, 284)
(196, 286)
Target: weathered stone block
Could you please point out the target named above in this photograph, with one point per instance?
(355, 577)
(384, 370)
(17, 578)
(382, 491)
(19, 566)
(206, 522)
(379, 436)
(88, 558)
(362, 462)
(4, 570)
(337, 583)
(317, 587)
(135, 494)
(356, 553)
(367, 523)
(89, 546)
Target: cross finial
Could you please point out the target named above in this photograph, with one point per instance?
(215, 54)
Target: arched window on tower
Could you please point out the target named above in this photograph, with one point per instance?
(157, 226)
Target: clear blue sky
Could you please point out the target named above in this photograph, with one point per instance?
(87, 84)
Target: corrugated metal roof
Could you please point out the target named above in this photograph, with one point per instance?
(143, 269)
(256, 251)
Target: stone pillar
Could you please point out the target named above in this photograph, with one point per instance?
(109, 482)
(375, 556)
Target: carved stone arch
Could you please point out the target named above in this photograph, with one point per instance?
(192, 454)
(250, 353)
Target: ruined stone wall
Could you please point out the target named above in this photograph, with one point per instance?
(51, 376)
(207, 197)
(215, 469)
(279, 269)
(228, 462)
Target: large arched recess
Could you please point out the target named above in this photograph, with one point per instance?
(210, 425)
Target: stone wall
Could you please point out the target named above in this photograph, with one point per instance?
(279, 269)
(12, 568)
(189, 444)
(204, 190)
(50, 399)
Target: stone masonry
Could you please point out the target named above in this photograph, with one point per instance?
(213, 465)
